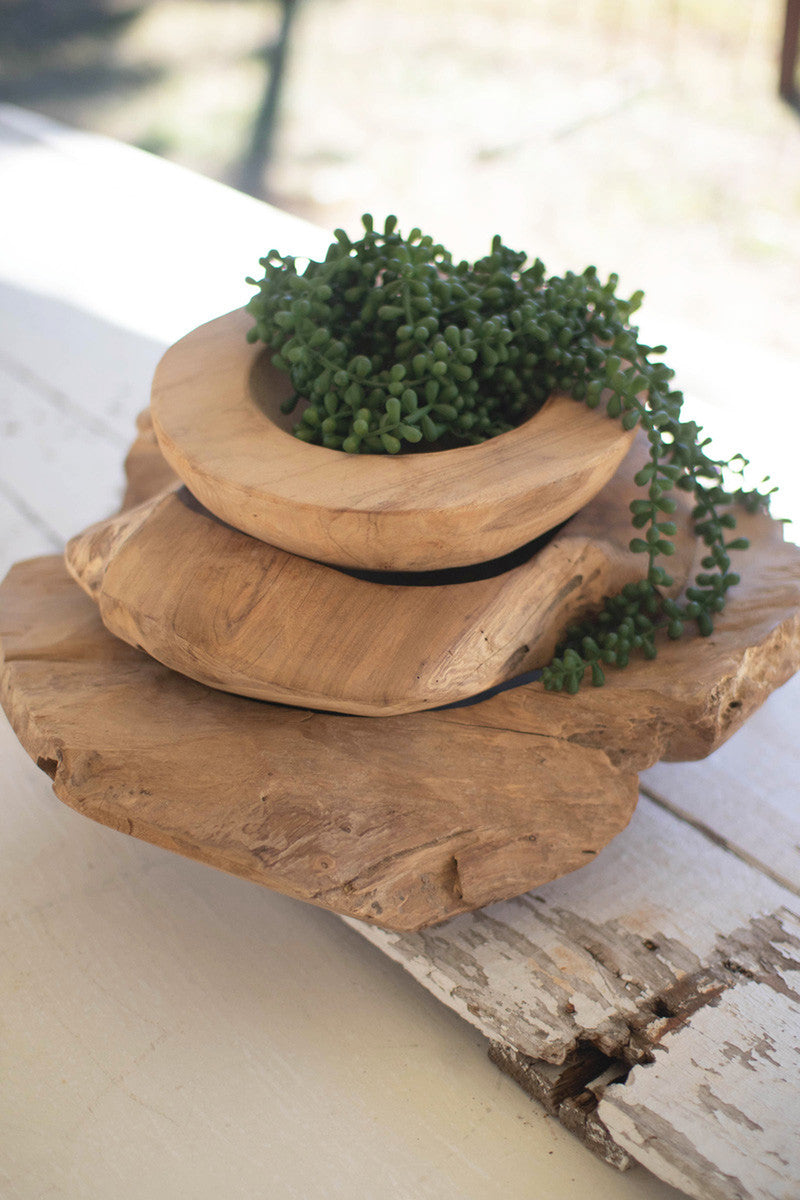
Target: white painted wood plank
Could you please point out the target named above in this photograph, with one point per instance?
(585, 957)
(78, 362)
(748, 792)
(64, 471)
(717, 1113)
(616, 956)
(22, 534)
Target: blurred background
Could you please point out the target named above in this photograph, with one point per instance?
(646, 136)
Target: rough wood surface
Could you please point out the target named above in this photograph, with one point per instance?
(716, 1112)
(238, 614)
(699, 690)
(569, 1091)
(599, 957)
(697, 693)
(682, 964)
(399, 820)
(215, 405)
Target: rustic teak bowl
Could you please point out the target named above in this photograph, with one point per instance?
(231, 611)
(216, 412)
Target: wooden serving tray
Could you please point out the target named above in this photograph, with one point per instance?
(401, 821)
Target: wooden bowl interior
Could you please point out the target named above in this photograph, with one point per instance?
(267, 388)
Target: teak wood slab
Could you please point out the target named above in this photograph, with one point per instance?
(215, 405)
(699, 690)
(235, 613)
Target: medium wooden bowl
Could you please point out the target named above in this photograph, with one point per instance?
(216, 412)
(238, 614)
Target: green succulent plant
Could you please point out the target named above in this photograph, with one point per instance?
(393, 343)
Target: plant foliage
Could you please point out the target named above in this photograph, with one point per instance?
(392, 343)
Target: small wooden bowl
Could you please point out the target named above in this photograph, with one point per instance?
(216, 411)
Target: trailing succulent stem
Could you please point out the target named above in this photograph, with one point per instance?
(392, 343)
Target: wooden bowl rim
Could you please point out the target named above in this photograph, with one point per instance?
(232, 452)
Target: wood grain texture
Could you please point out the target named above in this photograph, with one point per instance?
(215, 404)
(403, 820)
(228, 610)
(698, 691)
(716, 1111)
(650, 1002)
(686, 704)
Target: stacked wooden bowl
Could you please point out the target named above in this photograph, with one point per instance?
(362, 597)
(244, 579)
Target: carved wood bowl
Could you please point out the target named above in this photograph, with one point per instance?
(216, 412)
(238, 614)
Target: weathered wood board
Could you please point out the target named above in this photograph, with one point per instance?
(717, 1112)
(667, 946)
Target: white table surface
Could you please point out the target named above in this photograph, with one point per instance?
(168, 1030)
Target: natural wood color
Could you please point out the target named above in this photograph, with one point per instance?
(401, 821)
(147, 472)
(215, 409)
(699, 690)
(235, 613)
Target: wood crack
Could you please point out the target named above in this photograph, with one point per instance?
(377, 870)
(764, 952)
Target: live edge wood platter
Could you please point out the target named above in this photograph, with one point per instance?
(226, 669)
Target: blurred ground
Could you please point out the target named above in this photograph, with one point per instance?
(643, 135)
